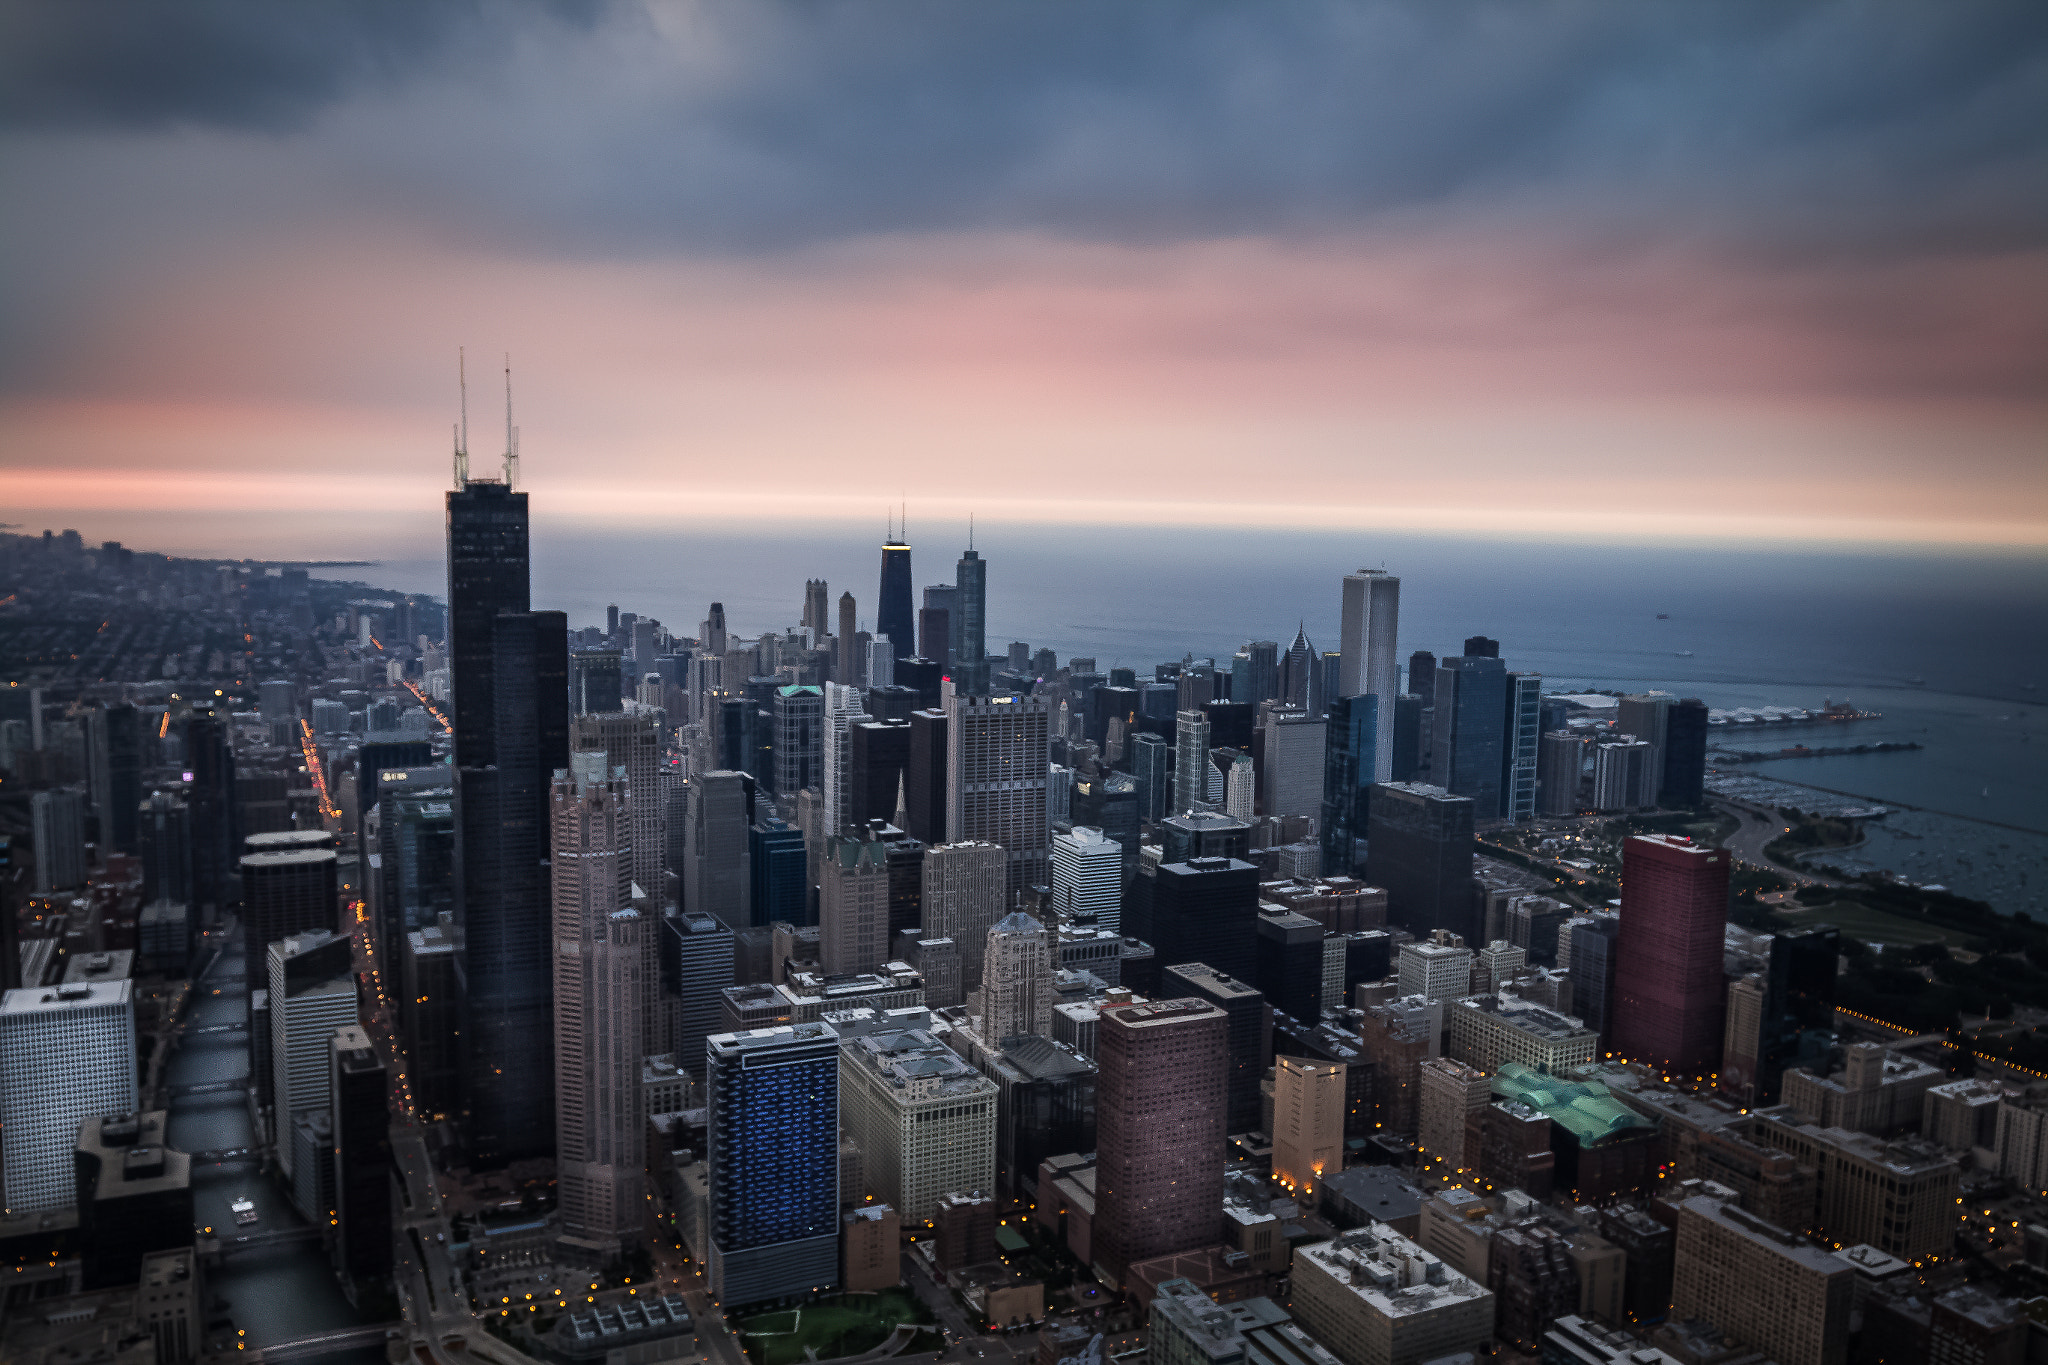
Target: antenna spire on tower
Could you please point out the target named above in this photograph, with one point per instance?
(511, 432)
(462, 428)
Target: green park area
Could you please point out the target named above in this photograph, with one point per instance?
(837, 1325)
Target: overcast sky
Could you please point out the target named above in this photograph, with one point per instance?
(1609, 268)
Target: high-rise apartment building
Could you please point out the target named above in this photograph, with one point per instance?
(1308, 1122)
(1087, 877)
(842, 712)
(696, 963)
(853, 904)
(1160, 1099)
(925, 1121)
(799, 723)
(600, 998)
(1371, 621)
(772, 1129)
(1594, 950)
(1016, 980)
(1190, 761)
(1399, 1036)
(1467, 748)
(1644, 716)
(996, 771)
(965, 893)
(1622, 771)
(895, 615)
(1420, 850)
(1521, 724)
(633, 741)
(67, 1053)
(1670, 993)
(968, 629)
(286, 893)
(1769, 1289)
(1560, 765)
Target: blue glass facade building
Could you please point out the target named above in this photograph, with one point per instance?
(775, 851)
(773, 1132)
(1349, 753)
(1521, 726)
(895, 614)
(1466, 750)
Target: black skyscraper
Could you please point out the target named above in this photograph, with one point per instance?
(970, 616)
(1407, 737)
(925, 777)
(1419, 847)
(1422, 676)
(210, 805)
(1479, 647)
(1248, 1034)
(115, 736)
(1202, 910)
(1469, 722)
(879, 754)
(1685, 754)
(511, 719)
(362, 1164)
(896, 616)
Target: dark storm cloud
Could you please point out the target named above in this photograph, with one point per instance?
(261, 64)
(570, 128)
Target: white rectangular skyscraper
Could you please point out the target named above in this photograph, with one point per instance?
(67, 1053)
(1087, 876)
(1372, 611)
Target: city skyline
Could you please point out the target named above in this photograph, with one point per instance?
(694, 281)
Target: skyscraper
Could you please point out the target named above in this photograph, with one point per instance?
(362, 1156)
(1201, 910)
(1190, 761)
(816, 595)
(773, 1136)
(114, 744)
(1466, 750)
(1308, 1121)
(599, 1002)
(1521, 723)
(895, 616)
(717, 854)
(1151, 762)
(696, 964)
(1685, 754)
(57, 819)
(312, 993)
(1420, 849)
(1350, 756)
(965, 893)
(924, 783)
(1372, 611)
(1087, 876)
(853, 904)
(1670, 994)
(1294, 750)
(1255, 672)
(1645, 715)
(969, 625)
(1016, 980)
(67, 1053)
(848, 662)
(1560, 764)
(1297, 671)
(840, 713)
(487, 574)
(287, 892)
(880, 756)
(633, 741)
(996, 761)
(1159, 1131)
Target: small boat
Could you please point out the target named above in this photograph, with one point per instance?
(1684, 654)
(244, 1210)
(1663, 616)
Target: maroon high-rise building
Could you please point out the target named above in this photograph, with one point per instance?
(1670, 994)
(1160, 1101)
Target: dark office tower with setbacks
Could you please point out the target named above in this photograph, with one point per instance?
(1670, 991)
(879, 756)
(935, 634)
(1466, 750)
(1420, 849)
(1202, 910)
(501, 881)
(164, 833)
(1479, 647)
(1422, 676)
(1521, 723)
(895, 614)
(777, 886)
(1685, 755)
(597, 681)
(1349, 756)
(1160, 1109)
(210, 806)
(1248, 1034)
(772, 1128)
(696, 965)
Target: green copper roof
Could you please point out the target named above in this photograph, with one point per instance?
(1587, 1109)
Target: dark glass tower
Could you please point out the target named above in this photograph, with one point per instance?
(896, 614)
(1685, 754)
(115, 736)
(1420, 849)
(969, 625)
(511, 701)
(1349, 753)
(1202, 910)
(1466, 752)
(773, 1130)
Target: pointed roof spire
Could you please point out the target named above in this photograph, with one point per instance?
(902, 818)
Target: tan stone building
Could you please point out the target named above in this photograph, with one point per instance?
(1874, 1092)
(1449, 1090)
(1898, 1196)
(1769, 1289)
(1308, 1121)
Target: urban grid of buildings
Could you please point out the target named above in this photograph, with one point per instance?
(1198, 1009)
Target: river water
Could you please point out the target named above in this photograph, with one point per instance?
(285, 1292)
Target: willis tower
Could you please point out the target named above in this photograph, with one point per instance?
(511, 716)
